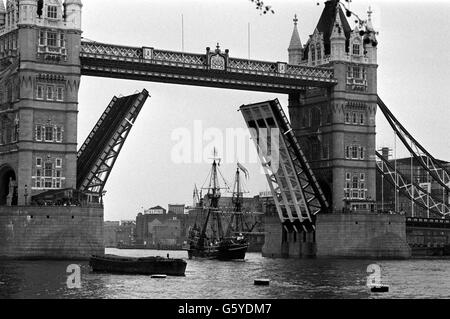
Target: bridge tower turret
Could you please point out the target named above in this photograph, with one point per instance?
(27, 12)
(295, 46)
(39, 81)
(337, 40)
(2, 14)
(73, 13)
(336, 127)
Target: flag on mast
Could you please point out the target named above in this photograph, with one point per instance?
(244, 170)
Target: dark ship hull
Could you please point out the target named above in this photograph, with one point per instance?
(138, 266)
(227, 251)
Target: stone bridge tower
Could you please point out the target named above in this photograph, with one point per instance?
(336, 127)
(39, 80)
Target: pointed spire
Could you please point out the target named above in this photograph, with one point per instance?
(338, 30)
(2, 7)
(369, 25)
(295, 39)
(2, 13)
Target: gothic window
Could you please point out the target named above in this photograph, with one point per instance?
(41, 38)
(39, 133)
(52, 12)
(361, 119)
(362, 185)
(315, 149)
(48, 174)
(355, 182)
(313, 54)
(48, 170)
(354, 152)
(62, 43)
(319, 52)
(58, 134)
(347, 117)
(361, 153)
(49, 92)
(60, 94)
(38, 183)
(305, 120)
(347, 152)
(52, 39)
(316, 117)
(354, 118)
(16, 130)
(57, 180)
(325, 148)
(356, 72)
(49, 133)
(9, 92)
(40, 92)
(58, 162)
(356, 49)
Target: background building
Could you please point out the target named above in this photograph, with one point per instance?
(177, 209)
(126, 233)
(157, 210)
(110, 233)
(159, 231)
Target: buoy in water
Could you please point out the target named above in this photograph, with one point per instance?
(379, 289)
(159, 276)
(262, 282)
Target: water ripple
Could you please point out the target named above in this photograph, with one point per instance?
(290, 278)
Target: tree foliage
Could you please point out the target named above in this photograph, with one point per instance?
(262, 7)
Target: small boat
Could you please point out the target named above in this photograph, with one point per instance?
(138, 266)
(262, 282)
(381, 288)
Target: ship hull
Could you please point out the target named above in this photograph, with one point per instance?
(226, 252)
(138, 266)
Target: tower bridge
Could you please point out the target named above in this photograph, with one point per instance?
(211, 69)
(325, 188)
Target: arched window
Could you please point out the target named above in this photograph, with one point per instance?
(355, 182)
(356, 49)
(319, 52)
(316, 117)
(313, 54)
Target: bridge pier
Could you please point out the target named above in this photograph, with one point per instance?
(282, 244)
(352, 235)
(70, 233)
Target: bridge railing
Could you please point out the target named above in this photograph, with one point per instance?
(202, 61)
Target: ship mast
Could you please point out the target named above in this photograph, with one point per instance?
(213, 196)
(237, 217)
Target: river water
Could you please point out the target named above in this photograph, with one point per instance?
(307, 278)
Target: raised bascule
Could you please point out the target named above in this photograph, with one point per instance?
(324, 185)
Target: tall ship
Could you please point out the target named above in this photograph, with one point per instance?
(210, 237)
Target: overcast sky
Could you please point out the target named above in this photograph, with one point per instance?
(413, 80)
